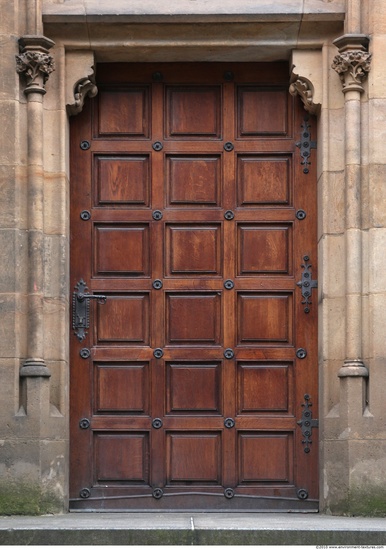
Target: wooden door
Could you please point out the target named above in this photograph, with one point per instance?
(192, 213)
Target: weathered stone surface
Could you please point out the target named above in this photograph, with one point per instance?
(57, 204)
(55, 126)
(377, 305)
(14, 242)
(367, 494)
(377, 195)
(55, 267)
(9, 83)
(330, 392)
(264, 8)
(59, 385)
(331, 141)
(9, 114)
(193, 529)
(332, 275)
(377, 74)
(331, 203)
(55, 329)
(377, 247)
(9, 24)
(9, 395)
(336, 476)
(333, 328)
(13, 325)
(375, 18)
(377, 131)
(377, 384)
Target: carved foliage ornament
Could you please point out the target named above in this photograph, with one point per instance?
(36, 66)
(303, 87)
(354, 64)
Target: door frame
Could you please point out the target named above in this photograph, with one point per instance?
(73, 81)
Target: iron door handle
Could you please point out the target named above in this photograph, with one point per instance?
(81, 308)
(100, 297)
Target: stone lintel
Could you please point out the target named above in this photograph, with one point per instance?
(286, 10)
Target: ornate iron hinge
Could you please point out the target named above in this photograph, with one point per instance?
(307, 423)
(81, 308)
(307, 284)
(305, 145)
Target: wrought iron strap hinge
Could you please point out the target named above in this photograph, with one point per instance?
(305, 145)
(307, 423)
(81, 308)
(307, 283)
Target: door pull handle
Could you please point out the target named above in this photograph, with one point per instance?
(81, 308)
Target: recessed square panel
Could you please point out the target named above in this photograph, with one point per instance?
(121, 250)
(193, 457)
(263, 387)
(124, 319)
(122, 180)
(265, 457)
(264, 248)
(124, 113)
(261, 111)
(263, 180)
(193, 111)
(122, 457)
(264, 319)
(193, 388)
(121, 388)
(193, 180)
(193, 249)
(193, 319)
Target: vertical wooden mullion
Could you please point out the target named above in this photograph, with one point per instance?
(305, 324)
(81, 382)
(229, 319)
(157, 296)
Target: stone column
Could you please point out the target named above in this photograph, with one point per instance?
(353, 64)
(36, 64)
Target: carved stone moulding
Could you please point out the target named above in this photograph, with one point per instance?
(304, 88)
(80, 79)
(85, 87)
(35, 62)
(306, 78)
(353, 61)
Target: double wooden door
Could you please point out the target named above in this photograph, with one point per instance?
(192, 213)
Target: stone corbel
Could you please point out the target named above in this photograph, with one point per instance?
(306, 78)
(353, 61)
(80, 80)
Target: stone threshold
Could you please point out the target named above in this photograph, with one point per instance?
(191, 529)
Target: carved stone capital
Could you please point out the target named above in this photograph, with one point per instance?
(34, 62)
(353, 61)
